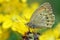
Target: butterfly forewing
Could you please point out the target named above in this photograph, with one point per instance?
(42, 17)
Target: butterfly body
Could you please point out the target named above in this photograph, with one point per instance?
(42, 17)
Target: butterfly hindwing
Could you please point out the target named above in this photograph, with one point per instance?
(42, 17)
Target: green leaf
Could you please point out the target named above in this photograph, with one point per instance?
(15, 36)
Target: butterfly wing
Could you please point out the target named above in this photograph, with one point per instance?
(42, 17)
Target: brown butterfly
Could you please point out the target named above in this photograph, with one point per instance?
(43, 17)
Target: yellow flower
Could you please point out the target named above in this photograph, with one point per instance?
(2, 1)
(24, 1)
(19, 27)
(12, 20)
(48, 35)
(58, 39)
(57, 30)
(17, 18)
(16, 23)
(7, 23)
(28, 11)
(34, 6)
(4, 34)
(1, 18)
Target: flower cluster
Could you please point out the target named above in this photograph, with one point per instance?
(14, 14)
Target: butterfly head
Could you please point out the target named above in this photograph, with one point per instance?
(31, 25)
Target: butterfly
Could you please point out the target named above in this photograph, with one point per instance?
(43, 17)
